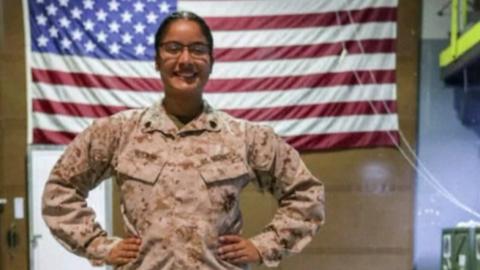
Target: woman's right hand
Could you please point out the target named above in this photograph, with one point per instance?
(124, 252)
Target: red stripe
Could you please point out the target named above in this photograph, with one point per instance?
(305, 51)
(315, 110)
(304, 81)
(344, 140)
(43, 136)
(220, 85)
(253, 114)
(91, 80)
(306, 142)
(75, 109)
(380, 14)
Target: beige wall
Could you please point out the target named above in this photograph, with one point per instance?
(369, 191)
(12, 129)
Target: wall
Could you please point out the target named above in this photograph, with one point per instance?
(447, 150)
(369, 191)
(12, 130)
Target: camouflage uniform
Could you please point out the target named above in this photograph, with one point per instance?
(180, 188)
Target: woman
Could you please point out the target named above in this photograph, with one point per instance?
(180, 166)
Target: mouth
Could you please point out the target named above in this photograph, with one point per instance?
(185, 75)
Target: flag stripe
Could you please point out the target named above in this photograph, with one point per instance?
(239, 8)
(306, 142)
(225, 100)
(379, 14)
(229, 70)
(217, 86)
(345, 140)
(305, 51)
(258, 114)
(318, 141)
(284, 127)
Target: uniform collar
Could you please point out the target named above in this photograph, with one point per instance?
(156, 119)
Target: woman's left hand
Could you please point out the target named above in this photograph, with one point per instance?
(237, 250)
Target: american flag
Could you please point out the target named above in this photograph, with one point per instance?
(320, 72)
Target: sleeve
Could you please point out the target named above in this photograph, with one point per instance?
(83, 165)
(280, 170)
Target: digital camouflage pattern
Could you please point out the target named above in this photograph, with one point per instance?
(180, 188)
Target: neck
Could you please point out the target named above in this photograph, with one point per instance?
(184, 109)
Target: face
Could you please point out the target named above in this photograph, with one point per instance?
(185, 72)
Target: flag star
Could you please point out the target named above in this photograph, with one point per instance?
(76, 13)
(53, 31)
(39, 1)
(64, 22)
(113, 5)
(89, 24)
(127, 38)
(89, 46)
(139, 28)
(164, 7)
(63, 3)
(151, 17)
(114, 27)
(126, 16)
(66, 43)
(41, 19)
(140, 49)
(88, 4)
(114, 48)
(52, 9)
(77, 34)
(102, 37)
(150, 39)
(101, 15)
(138, 6)
(42, 41)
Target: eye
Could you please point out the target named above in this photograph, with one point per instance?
(199, 48)
(173, 47)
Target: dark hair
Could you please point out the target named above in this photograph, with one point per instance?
(183, 15)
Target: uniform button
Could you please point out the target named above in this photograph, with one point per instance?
(148, 124)
(212, 124)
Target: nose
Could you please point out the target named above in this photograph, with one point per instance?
(184, 56)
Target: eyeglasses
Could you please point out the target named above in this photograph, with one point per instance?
(174, 49)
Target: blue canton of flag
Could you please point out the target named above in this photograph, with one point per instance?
(114, 29)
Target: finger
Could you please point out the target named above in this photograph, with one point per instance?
(241, 260)
(233, 255)
(130, 247)
(230, 248)
(129, 255)
(232, 238)
(132, 241)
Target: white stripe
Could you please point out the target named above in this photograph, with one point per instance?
(294, 127)
(275, 7)
(243, 100)
(226, 70)
(60, 122)
(139, 69)
(271, 99)
(94, 96)
(325, 125)
(307, 66)
(303, 36)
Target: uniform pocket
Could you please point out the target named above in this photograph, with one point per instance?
(220, 171)
(140, 165)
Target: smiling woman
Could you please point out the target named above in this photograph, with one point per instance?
(180, 166)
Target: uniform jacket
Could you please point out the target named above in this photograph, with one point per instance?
(180, 188)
